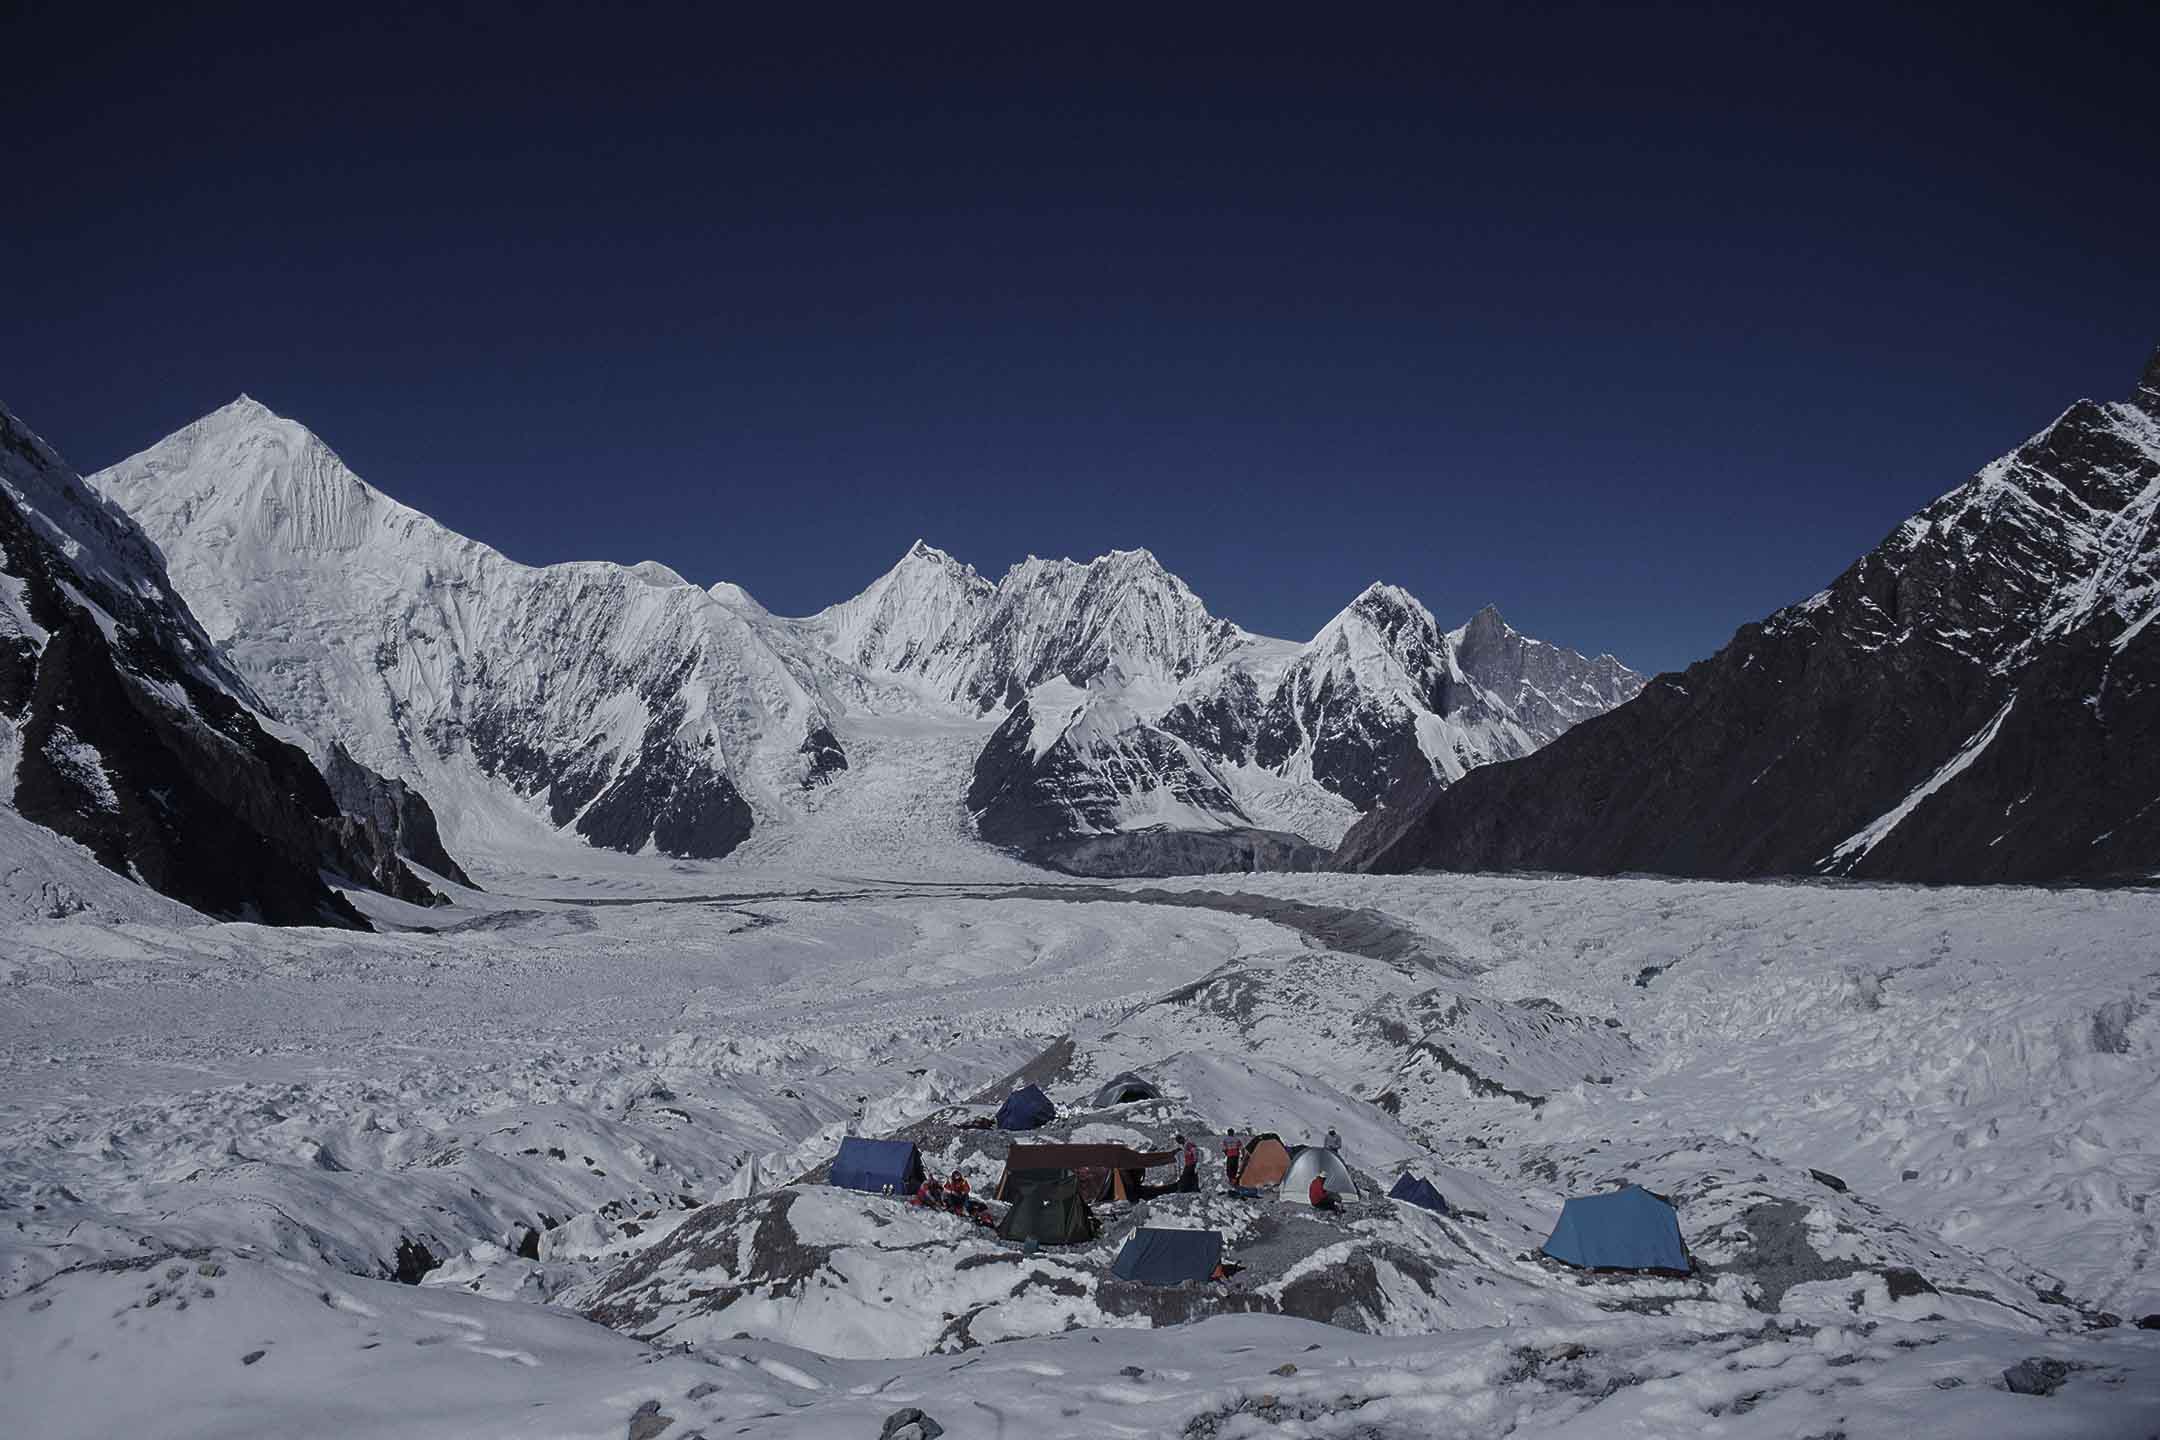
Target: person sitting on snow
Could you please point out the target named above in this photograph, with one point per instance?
(930, 1195)
(956, 1193)
(1317, 1193)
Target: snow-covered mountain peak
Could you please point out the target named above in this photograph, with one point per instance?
(653, 573)
(910, 621)
(624, 701)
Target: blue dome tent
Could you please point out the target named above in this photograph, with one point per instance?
(1629, 1229)
(1026, 1109)
(1419, 1191)
(1169, 1257)
(879, 1166)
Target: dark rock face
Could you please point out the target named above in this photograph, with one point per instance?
(1160, 850)
(132, 740)
(396, 810)
(1363, 738)
(682, 807)
(822, 757)
(1970, 702)
(1082, 785)
(1224, 725)
(414, 1260)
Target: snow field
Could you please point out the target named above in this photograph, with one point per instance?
(292, 1106)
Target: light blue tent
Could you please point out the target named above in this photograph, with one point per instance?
(1627, 1229)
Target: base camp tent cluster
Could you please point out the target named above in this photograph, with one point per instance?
(1048, 1189)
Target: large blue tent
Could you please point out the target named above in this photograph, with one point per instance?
(1629, 1229)
(1025, 1109)
(1418, 1191)
(1169, 1257)
(879, 1166)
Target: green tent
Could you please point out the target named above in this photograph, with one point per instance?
(1048, 1209)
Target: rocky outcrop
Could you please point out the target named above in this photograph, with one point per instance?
(1045, 778)
(1969, 702)
(395, 809)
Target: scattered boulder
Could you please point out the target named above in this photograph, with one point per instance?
(647, 1421)
(910, 1424)
(1830, 1180)
(2149, 1322)
(414, 1260)
(1903, 1281)
(2037, 1376)
(525, 1241)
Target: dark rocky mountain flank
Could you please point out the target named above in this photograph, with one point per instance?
(1973, 701)
(1162, 850)
(132, 738)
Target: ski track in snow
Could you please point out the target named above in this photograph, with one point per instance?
(228, 1129)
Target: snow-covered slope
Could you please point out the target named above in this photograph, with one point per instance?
(623, 703)
(122, 729)
(1972, 700)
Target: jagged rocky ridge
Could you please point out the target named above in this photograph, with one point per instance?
(1299, 738)
(123, 730)
(638, 710)
(1972, 701)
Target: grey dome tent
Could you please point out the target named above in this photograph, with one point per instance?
(1169, 1257)
(1628, 1229)
(1026, 1109)
(1048, 1210)
(1123, 1090)
(890, 1167)
(1419, 1191)
(1314, 1160)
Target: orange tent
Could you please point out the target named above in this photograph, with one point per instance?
(1266, 1162)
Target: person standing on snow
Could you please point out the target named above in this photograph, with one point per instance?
(1333, 1141)
(1189, 1172)
(1232, 1153)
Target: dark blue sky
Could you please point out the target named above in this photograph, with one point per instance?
(1637, 323)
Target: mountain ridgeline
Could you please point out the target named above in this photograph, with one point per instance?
(231, 668)
(632, 708)
(1974, 700)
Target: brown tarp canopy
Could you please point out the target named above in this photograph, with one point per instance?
(1106, 1172)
